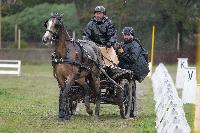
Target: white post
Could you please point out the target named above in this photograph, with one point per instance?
(10, 67)
(19, 39)
(182, 64)
(19, 68)
(190, 85)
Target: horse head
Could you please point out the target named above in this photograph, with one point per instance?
(53, 26)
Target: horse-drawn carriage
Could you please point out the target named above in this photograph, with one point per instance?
(88, 73)
(124, 97)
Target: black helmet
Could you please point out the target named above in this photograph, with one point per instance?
(128, 30)
(100, 9)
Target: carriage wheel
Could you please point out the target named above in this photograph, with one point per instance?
(125, 98)
(133, 104)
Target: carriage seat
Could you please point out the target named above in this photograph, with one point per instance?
(109, 56)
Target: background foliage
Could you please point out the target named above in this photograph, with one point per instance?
(31, 20)
(169, 17)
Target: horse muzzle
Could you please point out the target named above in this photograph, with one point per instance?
(46, 40)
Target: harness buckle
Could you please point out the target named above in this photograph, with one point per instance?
(61, 60)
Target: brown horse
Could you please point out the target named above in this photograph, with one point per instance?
(73, 63)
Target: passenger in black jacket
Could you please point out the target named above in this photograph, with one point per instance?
(132, 55)
(100, 29)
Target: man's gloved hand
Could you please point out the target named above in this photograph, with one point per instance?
(117, 45)
(120, 51)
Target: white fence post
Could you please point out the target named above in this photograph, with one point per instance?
(170, 116)
(182, 63)
(190, 85)
(10, 67)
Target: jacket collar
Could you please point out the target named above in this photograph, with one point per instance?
(100, 22)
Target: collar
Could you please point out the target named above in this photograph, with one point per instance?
(100, 22)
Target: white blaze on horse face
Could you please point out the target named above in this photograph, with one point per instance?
(49, 25)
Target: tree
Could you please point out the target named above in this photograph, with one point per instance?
(181, 13)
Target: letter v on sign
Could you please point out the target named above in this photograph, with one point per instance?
(190, 75)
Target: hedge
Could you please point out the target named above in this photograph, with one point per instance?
(31, 21)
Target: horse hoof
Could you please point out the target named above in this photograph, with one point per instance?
(61, 119)
(61, 115)
(97, 114)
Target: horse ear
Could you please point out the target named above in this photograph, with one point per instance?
(62, 14)
(45, 23)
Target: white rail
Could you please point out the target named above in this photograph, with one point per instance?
(10, 67)
(170, 116)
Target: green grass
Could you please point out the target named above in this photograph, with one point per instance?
(30, 104)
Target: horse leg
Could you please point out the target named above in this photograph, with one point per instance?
(87, 99)
(54, 72)
(61, 104)
(64, 101)
(82, 82)
(98, 98)
(95, 84)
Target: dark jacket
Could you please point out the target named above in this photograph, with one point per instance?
(135, 58)
(101, 32)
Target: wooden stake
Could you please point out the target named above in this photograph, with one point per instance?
(152, 49)
(19, 39)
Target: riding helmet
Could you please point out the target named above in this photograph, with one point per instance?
(100, 9)
(128, 30)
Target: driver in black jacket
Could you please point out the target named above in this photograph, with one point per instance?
(132, 55)
(100, 29)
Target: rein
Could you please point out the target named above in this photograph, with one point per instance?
(69, 61)
(51, 31)
(65, 60)
(109, 60)
(56, 60)
(72, 62)
(54, 35)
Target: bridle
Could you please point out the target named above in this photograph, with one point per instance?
(54, 34)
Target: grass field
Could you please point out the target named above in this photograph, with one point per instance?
(30, 104)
